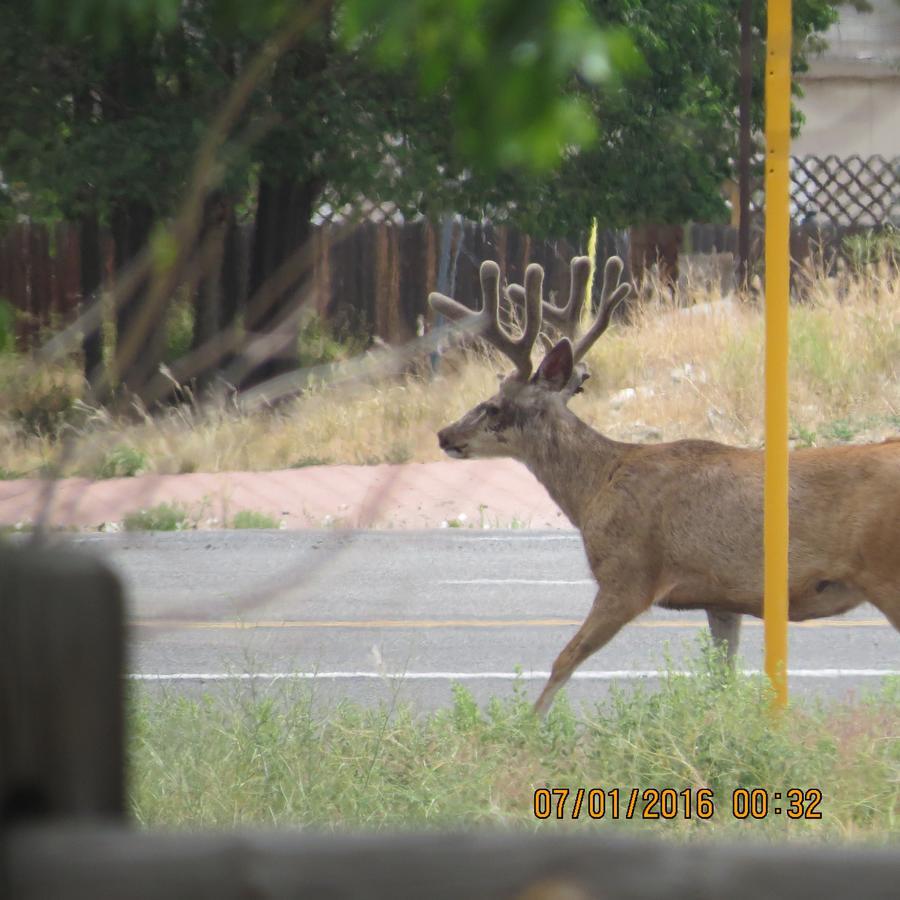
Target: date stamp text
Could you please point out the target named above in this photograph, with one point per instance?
(669, 803)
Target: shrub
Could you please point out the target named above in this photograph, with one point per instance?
(247, 518)
(122, 462)
(164, 517)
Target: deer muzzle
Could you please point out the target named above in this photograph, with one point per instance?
(450, 444)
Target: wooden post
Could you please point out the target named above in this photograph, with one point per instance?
(61, 678)
(745, 144)
(92, 863)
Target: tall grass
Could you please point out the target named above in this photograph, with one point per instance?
(283, 761)
(696, 373)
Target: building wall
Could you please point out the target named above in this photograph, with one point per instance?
(852, 91)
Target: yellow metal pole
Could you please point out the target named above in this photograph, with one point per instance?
(778, 140)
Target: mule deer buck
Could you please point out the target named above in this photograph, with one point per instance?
(674, 524)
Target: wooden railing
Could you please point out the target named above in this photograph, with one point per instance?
(65, 834)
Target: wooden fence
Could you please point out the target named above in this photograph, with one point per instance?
(65, 835)
(378, 275)
(40, 275)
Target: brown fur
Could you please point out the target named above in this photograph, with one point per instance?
(680, 524)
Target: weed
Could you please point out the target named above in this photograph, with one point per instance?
(803, 436)
(322, 342)
(306, 461)
(486, 523)
(840, 430)
(7, 326)
(39, 402)
(17, 528)
(872, 247)
(179, 330)
(247, 518)
(398, 453)
(163, 517)
(122, 461)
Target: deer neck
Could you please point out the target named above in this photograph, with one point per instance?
(572, 461)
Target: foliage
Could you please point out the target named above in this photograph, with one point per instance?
(873, 247)
(73, 145)
(76, 144)
(7, 326)
(507, 65)
(326, 342)
(39, 402)
(248, 518)
(668, 140)
(179, 330)
(516, 83)
(162, 517)
(123, 461)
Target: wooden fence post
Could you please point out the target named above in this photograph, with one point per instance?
(61, 686)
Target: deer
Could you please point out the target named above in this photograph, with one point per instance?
(677, 524)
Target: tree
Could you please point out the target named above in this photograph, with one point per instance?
(101, 134)
(545, 113)
(110, 102)
(667, 133)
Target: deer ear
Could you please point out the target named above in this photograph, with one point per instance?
(555, 369)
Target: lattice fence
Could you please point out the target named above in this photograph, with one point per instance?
(849, 191)
(842, 191)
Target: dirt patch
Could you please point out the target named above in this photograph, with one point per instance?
(472, 494)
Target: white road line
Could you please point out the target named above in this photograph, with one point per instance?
(515, 581)
(607, 675)
(524, 537)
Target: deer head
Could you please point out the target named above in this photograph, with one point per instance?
(527, 401)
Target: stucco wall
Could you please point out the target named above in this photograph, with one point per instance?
(852, 102)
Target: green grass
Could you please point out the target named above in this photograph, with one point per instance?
(176, 517)
(162, 517)
(7, 326)
(305, 461)
(841, 430)
(803, 437)
(179, 330)
(872, 247)
(241, 760)
(247, 518)
(321, 342)
(17, 528)
(123, 461)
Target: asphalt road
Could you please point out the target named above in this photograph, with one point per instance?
(349, 611)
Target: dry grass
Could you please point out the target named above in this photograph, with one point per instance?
(670, 373)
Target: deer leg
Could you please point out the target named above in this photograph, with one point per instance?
(726, 631)
(893, 614)
(885, 597)
(603, 621)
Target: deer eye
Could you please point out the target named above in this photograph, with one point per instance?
(491, 409)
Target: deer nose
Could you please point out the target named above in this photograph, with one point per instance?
(443, 439)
